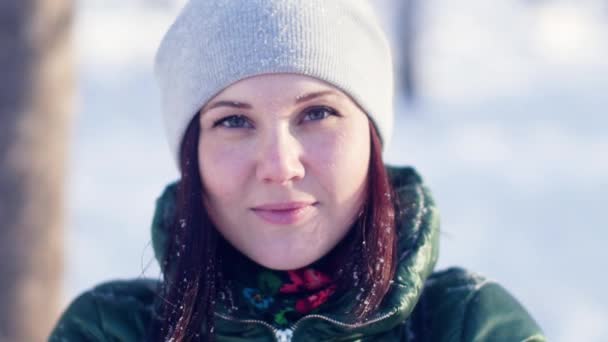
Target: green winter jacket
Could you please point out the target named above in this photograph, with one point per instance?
(452, 305)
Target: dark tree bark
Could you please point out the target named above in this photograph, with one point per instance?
(36, 87)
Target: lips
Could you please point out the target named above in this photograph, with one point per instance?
(284, 213)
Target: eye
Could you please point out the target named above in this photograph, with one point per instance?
(233, 121)
(319, 113)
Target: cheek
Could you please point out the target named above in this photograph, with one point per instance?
(222, 166)
(340, 160)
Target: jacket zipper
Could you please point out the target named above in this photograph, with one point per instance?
(285, 335)
(281, 335)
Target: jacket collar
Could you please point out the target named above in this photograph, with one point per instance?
(418, 232)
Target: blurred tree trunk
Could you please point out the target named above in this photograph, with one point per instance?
(36, 89)
(406, 26)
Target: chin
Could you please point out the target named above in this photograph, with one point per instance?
(285, 263)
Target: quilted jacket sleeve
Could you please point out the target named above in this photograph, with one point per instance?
(461, 306)
(80, 322)
(114, 311)
(492, 314)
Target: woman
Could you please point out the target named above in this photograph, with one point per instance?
(285, 224)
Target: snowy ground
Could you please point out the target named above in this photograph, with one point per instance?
(509, 131)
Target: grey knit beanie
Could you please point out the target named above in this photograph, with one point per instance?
(213, 44)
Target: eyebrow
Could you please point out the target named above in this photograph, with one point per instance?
(310, 96)
(242, 105)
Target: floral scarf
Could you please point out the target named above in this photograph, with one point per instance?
(277, 297)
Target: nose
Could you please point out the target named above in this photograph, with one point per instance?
(279, 158)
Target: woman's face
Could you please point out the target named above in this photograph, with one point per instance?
(284, 161)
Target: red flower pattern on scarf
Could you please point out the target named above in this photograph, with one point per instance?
(313, 301)
(309, 280)
(305, 280)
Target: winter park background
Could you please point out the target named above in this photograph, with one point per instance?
(508, 129)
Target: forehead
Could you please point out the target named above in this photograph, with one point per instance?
(277, 87)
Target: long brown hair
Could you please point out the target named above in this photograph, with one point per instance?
(367, 254)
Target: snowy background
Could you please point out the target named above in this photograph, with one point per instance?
(509, 130)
